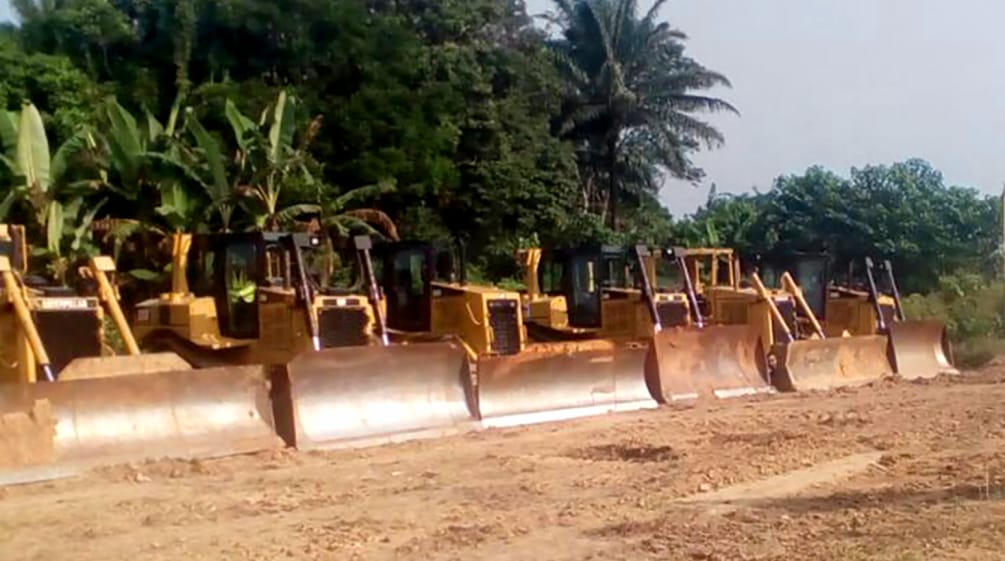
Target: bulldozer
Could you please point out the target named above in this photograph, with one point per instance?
(860, 307)
(338, 380)
(517, 381)
(799, 353)
(594, 292)
(624, 294)
(70, 402)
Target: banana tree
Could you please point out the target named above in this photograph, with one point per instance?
(153, 162)
(269, 158)
(53, 187)
(68, 235)
(38, 175)
(172, 174)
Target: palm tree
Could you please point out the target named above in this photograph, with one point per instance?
(630, 99)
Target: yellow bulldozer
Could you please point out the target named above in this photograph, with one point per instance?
(517, 381)
(69, 401)
(858, 307)
(799, 353)
(646, 297)
(260, 298)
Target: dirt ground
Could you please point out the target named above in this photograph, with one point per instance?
(892, 472)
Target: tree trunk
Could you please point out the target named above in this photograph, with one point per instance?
(612, 183)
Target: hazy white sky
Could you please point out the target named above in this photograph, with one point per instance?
(845, 83)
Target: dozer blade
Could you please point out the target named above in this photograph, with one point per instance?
(722, 361)
(360, 396)
(920, 349)
(58, 429)
(824, 364)
(111, 366)
(556, 381)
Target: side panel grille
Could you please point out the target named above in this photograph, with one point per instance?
(342, 327)
(672, 314)
(505, 330)
(69, 334)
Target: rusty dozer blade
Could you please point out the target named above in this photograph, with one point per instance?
(823, 364)
(722, 361)
(920, 349)
(360, 396)
(557, 381)
(59, 429)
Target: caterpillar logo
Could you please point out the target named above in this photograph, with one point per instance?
(63, 304)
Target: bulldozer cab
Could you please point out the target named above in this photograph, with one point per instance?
(428, 296)
(407, 272)
(668, 276)
(811, 271)
(233, 268)
(712, 268)
(585, 276)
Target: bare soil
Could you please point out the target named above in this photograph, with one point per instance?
(889, 472)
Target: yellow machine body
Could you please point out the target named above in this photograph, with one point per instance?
(799, 353)
(517, 381)
(335, 383)
(685, 361)
(917, 348)
(103, 408)
(190, 325)
(852, 311)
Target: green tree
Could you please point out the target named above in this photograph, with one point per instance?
(904, 212)
(632, 97)
(63, 94)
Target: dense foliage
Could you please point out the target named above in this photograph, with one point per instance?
(427, 119)
(904, 212)
(455, 118)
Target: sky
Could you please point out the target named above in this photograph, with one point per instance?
(846, 83)
(843, 83)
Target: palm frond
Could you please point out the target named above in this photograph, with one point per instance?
(370, 216)
(217, 187)
(292, 212)
(689, 127)
(80, 142)
(240, 124)
(84, 224)
(154, 128)
(124, 134)
(361, 194)
(176, 105)
(344, 225)
(650, 17)
(686, 103)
